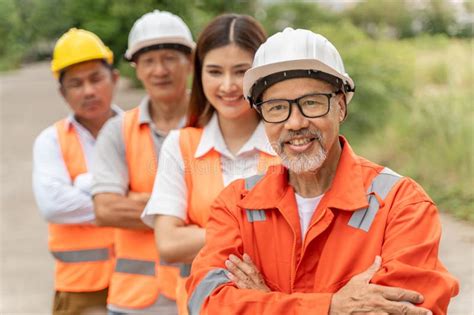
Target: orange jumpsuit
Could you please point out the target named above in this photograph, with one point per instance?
(304, 273)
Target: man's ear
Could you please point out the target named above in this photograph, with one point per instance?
(342, 108)
(115, 76)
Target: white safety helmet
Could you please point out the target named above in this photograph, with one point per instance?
(159, 29)
(292, 54)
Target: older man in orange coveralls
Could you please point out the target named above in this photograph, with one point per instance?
(302, 239)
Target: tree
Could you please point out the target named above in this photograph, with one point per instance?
(383, 18)
(438, 18)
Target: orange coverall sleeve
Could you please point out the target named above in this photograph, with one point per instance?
(210, 291)
(410, 250)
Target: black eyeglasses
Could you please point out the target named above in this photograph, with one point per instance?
(311, 106)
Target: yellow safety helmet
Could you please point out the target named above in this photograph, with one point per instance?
(76, 46)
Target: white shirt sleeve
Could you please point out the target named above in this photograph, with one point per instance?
(170, 193)
(109, 167)
(58, 198)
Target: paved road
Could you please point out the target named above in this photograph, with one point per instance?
(29, 102)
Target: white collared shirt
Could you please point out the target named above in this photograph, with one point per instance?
(170, 192)
(59, 199)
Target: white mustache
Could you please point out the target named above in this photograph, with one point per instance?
(300, 133)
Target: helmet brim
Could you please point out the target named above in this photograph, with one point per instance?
(156, 41)
(254, 74)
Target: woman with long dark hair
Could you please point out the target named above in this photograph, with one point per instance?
(223, 142)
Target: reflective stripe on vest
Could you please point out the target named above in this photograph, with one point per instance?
(134, 266)
(185, 270)
(211, 281)
(254, 215)
(85, 255)
(381, 185)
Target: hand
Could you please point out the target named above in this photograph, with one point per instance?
(138, 196)
(245, 274)
(358, 296)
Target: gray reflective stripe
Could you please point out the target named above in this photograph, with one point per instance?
(251, 181)
(211, 281)
(86, 255)
(185, 270)
(381, 185)
(256, 215)
(133, 266)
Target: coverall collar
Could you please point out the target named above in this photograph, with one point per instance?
(347, 191)
(144, 116)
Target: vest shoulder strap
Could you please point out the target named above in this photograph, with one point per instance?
(189, 139)
(129, 120)
(71, 149)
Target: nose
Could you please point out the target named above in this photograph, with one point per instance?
(89, 88)
(296, 121)
(228, 83)
(160, 69)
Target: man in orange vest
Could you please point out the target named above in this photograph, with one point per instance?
(160, 48)
(326, 232)
(62, 156)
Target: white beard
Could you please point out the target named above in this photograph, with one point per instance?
(302, 162)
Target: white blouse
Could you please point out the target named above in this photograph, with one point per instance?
(170, 193)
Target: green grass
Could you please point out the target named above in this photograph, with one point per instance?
(431, 138)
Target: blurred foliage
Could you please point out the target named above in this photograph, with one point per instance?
(406, 18)
(294, 14)
(29, 28)
(439, 18)
(432, 138)
(393, 18)
(382, 71)
(412, 109)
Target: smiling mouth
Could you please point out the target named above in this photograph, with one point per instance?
(162, 83)
(231, 98)
(300, 141)
(91, 103)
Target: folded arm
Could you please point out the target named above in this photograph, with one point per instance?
(59, 199)
(120, 211)
(212, 292)
(176, 241)
(410, 250)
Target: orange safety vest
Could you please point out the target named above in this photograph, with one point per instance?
(138, 279)
(204, 181)
(83, 252)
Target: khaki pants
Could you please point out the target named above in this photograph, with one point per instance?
(79, 303)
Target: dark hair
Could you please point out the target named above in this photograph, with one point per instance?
(241, 30)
